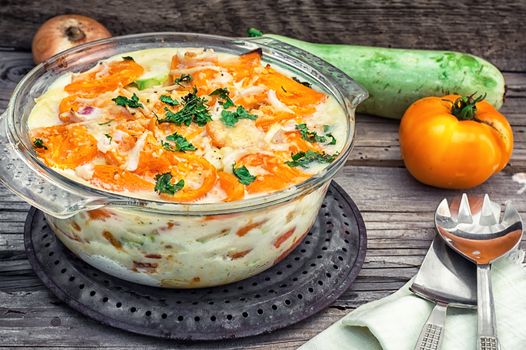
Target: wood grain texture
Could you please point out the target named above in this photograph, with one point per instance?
(398, 211)
(491, 29)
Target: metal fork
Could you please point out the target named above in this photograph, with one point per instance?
(471, 227)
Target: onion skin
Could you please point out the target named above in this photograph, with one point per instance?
(63, 32)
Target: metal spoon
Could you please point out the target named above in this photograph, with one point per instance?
(472, 228)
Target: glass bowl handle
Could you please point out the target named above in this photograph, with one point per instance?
(35, 187)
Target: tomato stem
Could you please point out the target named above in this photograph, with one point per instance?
(464, 107)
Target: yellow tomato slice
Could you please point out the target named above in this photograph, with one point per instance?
(189, 166)
(66, 147)
(279, 175)
(114, 178)
(230, 184)
(114, 75)
(288, 90)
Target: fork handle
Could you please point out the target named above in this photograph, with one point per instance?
(487, 326)
(431, 335)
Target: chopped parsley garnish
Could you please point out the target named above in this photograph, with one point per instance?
(127, 58)
(163, 184)
(312, 136)
(38, 143)
(326, 129)
(168, 100)
(231, 118)
(308, 135)
(183, 78)
(333, 139)
(108, 136)
(181, 143)
(223, 94)
(132, 102)
(194, 110)
(305, 83)
(243, 175)
(303, 159)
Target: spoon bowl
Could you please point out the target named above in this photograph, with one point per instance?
(473, 228)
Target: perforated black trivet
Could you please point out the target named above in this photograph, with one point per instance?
(313, 276)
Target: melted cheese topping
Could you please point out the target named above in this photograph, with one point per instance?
(114, 127)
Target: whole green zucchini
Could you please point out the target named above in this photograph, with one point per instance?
(395, 78)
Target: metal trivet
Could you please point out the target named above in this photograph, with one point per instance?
(311, 278)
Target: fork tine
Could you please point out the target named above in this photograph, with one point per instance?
(443, 209)
(510, 214)
(487, 215)
(464, 212)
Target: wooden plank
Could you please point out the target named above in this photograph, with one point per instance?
(493, 30)
(36, 318)
(58, 327)
(13, 66)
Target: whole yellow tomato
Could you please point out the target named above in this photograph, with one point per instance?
(454, 141)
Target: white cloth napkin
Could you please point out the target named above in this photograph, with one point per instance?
(395, 322)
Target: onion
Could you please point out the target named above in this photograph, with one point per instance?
(85, 110)
(63, 32)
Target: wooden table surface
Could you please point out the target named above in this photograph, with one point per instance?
(397, 209)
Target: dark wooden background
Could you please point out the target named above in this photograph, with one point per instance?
(492, 29)
(397, 210)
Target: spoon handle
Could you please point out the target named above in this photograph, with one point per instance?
(431, 335)
(487, 327)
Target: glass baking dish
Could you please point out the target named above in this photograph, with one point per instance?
(161, 243)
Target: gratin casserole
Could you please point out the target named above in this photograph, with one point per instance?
(190, 161)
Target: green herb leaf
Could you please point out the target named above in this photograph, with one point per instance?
(243, 175)
(223, 94)
(243, 113)
(181, 143)
(168, 100)
(128, 58)
(132, 102)
(253, 32)
(231, 118)
(307, 135)
(108, 136)
(39, 143)
(183, 78)
(307, 84)
(312, 136)
(194, 110)
(303, 159)
(333, 139)
(176, 118)
(163, 184)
